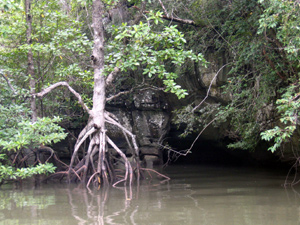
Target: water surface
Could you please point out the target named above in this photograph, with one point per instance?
(195, 195)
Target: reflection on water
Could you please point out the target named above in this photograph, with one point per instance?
(195, 195)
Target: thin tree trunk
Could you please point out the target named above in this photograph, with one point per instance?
(30, 69)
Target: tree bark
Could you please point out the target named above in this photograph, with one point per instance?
(99, 98)
(30, 69)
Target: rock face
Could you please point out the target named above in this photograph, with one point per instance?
(148, 118)
(149, 113)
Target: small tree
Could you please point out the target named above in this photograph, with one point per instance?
(132, 47)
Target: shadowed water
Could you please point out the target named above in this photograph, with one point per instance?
(195, 195)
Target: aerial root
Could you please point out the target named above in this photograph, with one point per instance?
(78, 144)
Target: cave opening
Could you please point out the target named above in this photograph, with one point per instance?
(216, 153)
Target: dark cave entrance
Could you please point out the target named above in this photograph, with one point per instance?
(215, 152)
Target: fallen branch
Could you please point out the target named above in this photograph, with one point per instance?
(187, 151)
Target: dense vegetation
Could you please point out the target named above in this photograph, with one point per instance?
(260, 40)
(51, 42)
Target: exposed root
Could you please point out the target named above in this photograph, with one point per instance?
(128, 168)
(91, 178)
(159, 174)
(96, 166)
(78, 144)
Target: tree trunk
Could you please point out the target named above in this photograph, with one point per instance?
(30, 69)
(95, 128)
(95, 164)
(98, 64)
(99, 98)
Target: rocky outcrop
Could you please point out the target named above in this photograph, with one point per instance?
(148, 118)
(148, 113)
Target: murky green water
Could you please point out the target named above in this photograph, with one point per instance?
(195, 195)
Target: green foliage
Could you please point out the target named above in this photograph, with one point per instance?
(17, 133)
(283, 18)
(10, 4)
(27, 134)
(60, 48)
(288, 107)
(141, 46)
(263, 36)
(261, 41)
(10, 173)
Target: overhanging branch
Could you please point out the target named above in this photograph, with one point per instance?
(63, 83)
(117, 95)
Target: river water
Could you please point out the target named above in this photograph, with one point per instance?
(195, 195)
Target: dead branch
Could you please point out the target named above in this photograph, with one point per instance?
(162, 5)
(171, 18)
(63, 83)
(187, 151)
(207, 94)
